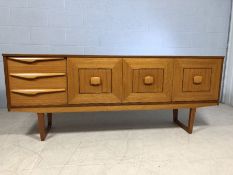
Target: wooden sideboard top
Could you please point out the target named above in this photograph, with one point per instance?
(110, 56)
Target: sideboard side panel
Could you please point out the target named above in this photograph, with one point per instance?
(7, 82)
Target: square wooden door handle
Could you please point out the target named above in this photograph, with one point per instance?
(197, 79)
(148, 80)
(95, 81)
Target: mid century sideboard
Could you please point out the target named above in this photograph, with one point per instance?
(45, 84)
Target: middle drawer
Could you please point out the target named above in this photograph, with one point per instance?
(37, 80)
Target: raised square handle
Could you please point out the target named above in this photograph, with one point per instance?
(197, 79)
(95, 81)
(148, 80)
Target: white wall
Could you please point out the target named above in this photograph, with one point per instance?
(228, 80)
(145, 27)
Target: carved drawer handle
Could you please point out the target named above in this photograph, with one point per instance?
(95, 81)
(36, 91)
(197, 79)
(35, 75)
(148, 80)
(32, 60)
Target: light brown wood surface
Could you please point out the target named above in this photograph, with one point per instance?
(36, 75)
(184, 89)
(61, 83)
(39, 83)
(33, 92)
(95, 81)
(119, 107)
(197, 80)
(46, 66)
(33, 59)
(191, 120)
(101, 80)
(38, 97)
(134, 72)
(80, 71)
(147, 80)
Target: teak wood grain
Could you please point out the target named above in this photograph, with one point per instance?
(39, 83)
(147, 80)
(81, 70)
(135, 70)
(46, 66)
(189, 127)
(95, 81)
(33, 59)
(105, 107)
(36, 81)
(54, 97)
(31, 76)
(184, 70)
(78, 83)
(197, 80)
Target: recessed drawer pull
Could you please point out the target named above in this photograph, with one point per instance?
(148, 80)
(36, 91)
(95, 81)
(35, 75)
(197, 79)
(32, 60)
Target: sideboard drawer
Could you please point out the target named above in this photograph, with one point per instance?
(38, 97)
(147, 80)
(38, 91)
(196, 79)
(36, 65)
(94, 80)
(37, 81)
(17, 82)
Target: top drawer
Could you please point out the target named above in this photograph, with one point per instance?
(36, 65)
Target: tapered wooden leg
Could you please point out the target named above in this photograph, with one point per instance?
(188, 128)
(41, 126)
(175, 115)
(192, 115)
(49, 115)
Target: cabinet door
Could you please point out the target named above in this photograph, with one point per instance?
(94, 80)
(147, 79)
(196, 79)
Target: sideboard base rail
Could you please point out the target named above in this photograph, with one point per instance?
(100, 108)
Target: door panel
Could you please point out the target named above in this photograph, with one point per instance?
(197, 79)
(147, 80)
(94, 80)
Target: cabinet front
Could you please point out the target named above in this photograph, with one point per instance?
(147, 79)
(94, 80)
(196, 79)
(37, 81)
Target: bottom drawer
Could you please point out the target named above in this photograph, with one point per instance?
(38, 97)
